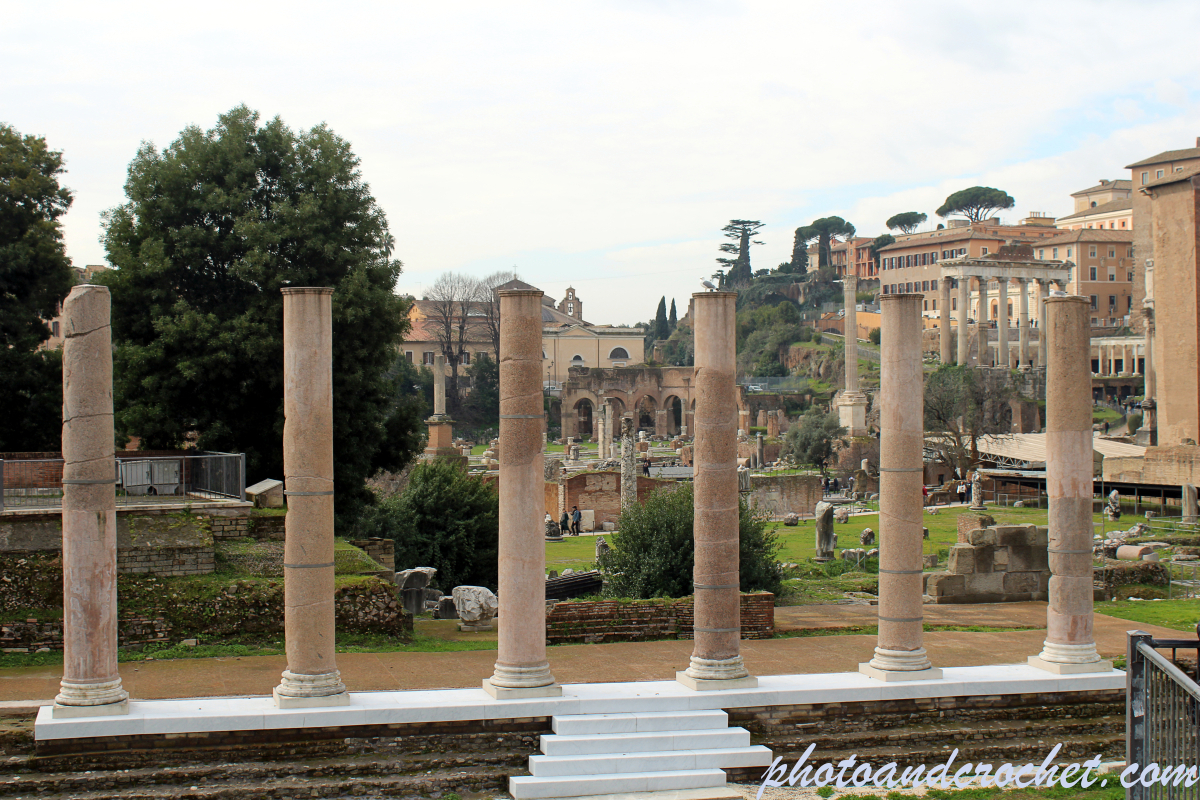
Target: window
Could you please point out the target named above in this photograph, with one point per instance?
(933, 285)
(1112, 224)
(1092, 273)
(1129, 251)
(1042, 254)
(408, 355)
(935, 304)
(933, 257)
(1129, 275)
(908, 287)
(1145, 178)
(1091, 251)
(577, 361)
(885, 289)
(962, 251)
(1094, 306)
(466, 357)
(1158, 173)
(1112, 252)
(985, 251)
(1128, 302)
(1112, 274)
(1068, 252)
(619, 352)
(54, 328)
(1112, 301)
(954, 304)
(924, 286)
(1122, 223)
(427, 358)
(570, 308)
(925, 305)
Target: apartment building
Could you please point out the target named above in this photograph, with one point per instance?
(1108, 205)
(1102, 269)
(1142, 173)
(910, 265)
(857, 251)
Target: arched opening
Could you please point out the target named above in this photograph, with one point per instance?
(674, 408)
(583, 417)
(619, 354)
(646, 410)
(577, 360)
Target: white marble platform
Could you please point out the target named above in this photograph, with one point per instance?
(211, 714)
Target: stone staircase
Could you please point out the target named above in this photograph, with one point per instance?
(674, 754)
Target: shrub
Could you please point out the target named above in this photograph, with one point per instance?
(443, 519)
(873, 336)
(1134, 422)
(653, 553)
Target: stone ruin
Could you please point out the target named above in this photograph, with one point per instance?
(476, 607)
(999, 564)
(826, 540)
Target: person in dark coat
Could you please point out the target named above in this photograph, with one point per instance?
(564, 524)
(576, 516)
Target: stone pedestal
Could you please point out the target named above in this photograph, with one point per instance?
(311, 677)
(91, 684)
(521, 666)
(899, 655)
(716, 661)
(852, 412)
(1070, 646)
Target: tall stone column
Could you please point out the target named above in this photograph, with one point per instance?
(521, 666)
(759, 451)
(602, 449)
(944, 323)
(851, 402)
(1069, 646)
(1127, 360)
(964, 311)
(439, 385)
(716, 661)
(1042, 335)
(1002, 358)
(1023, 322)
(983, 349)
(899, 655)
(91, 684)
(629, 473)
(311, 677)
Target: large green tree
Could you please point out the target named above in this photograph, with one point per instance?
(961, 405)
(737, 268)
(976, 203)
(906, 221)
(812, 441)
(215, 225)
(823, 230)
(35, 276)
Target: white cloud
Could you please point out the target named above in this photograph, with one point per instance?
(574, 139)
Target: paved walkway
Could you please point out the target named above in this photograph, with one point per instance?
(623, 661)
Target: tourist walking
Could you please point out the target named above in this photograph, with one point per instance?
(576, 516)
(564, 524)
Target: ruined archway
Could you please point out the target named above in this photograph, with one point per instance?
(584, 418)
(674, 407)
(645, 412)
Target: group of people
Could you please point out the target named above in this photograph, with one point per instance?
(833, 485)
(569, 523)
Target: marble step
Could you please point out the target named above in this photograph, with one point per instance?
(715, 793)
(579, 724)
(544, 766)
(587, 744)
(530, 787)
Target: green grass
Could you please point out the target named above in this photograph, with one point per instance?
(1101, 414)
(573, 552)
(1180, 615)
(873, 630)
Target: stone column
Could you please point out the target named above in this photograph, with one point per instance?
(311, 677)
(759, 451)
(850, 299)
(944, 323)
(1069, 646)
(1023, 322)
(1002, 358)
(1127, 360)
(628, 465)
(1042, 334)
(602, 450)
(439, 385)
(899, 655)
(660, 422)
(91, 684)
(716, 661)
(964, 311)
(521, 666)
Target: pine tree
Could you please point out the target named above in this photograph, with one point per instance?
(672, 318)
(738, 267)
(661, 328)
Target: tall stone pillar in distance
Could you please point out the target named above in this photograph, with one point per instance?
(629, 473)
(311, 677)
(1070, 646)
(91, 684)
(1002, 358)
(521, 666)
(964, 312)
(1042, 334)
(716, 661)
(440, 443)
(602, 449)
(851, 402)
(899, 654)
(759, 451)
(944, 337)
(1023, 322)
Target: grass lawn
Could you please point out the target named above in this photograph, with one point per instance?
(1180, 615)
(1101, 414)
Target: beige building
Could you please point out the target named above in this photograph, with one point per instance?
(568, 340)
(1143, 173)
(1107, 205)
(1101, 267)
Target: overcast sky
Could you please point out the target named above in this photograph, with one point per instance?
(605, 144)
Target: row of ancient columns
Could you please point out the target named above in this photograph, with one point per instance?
(1107, 355)
(91, 684)
(1003, 350)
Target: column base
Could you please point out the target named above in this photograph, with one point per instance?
(895, 675)
(708, 685)
(487, 626)
(1070, 669)
(514, 693)
(289, 701)
(59, 711)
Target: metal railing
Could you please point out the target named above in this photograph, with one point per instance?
(791, 383)
(1162, 717)
(36, 483)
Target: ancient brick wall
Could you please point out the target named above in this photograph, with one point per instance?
(786, 494)
(382, 550)
(599, 492)
(595, 621)
(1000, 564)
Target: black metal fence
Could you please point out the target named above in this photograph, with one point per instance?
(36, 483)
(1162, 719)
